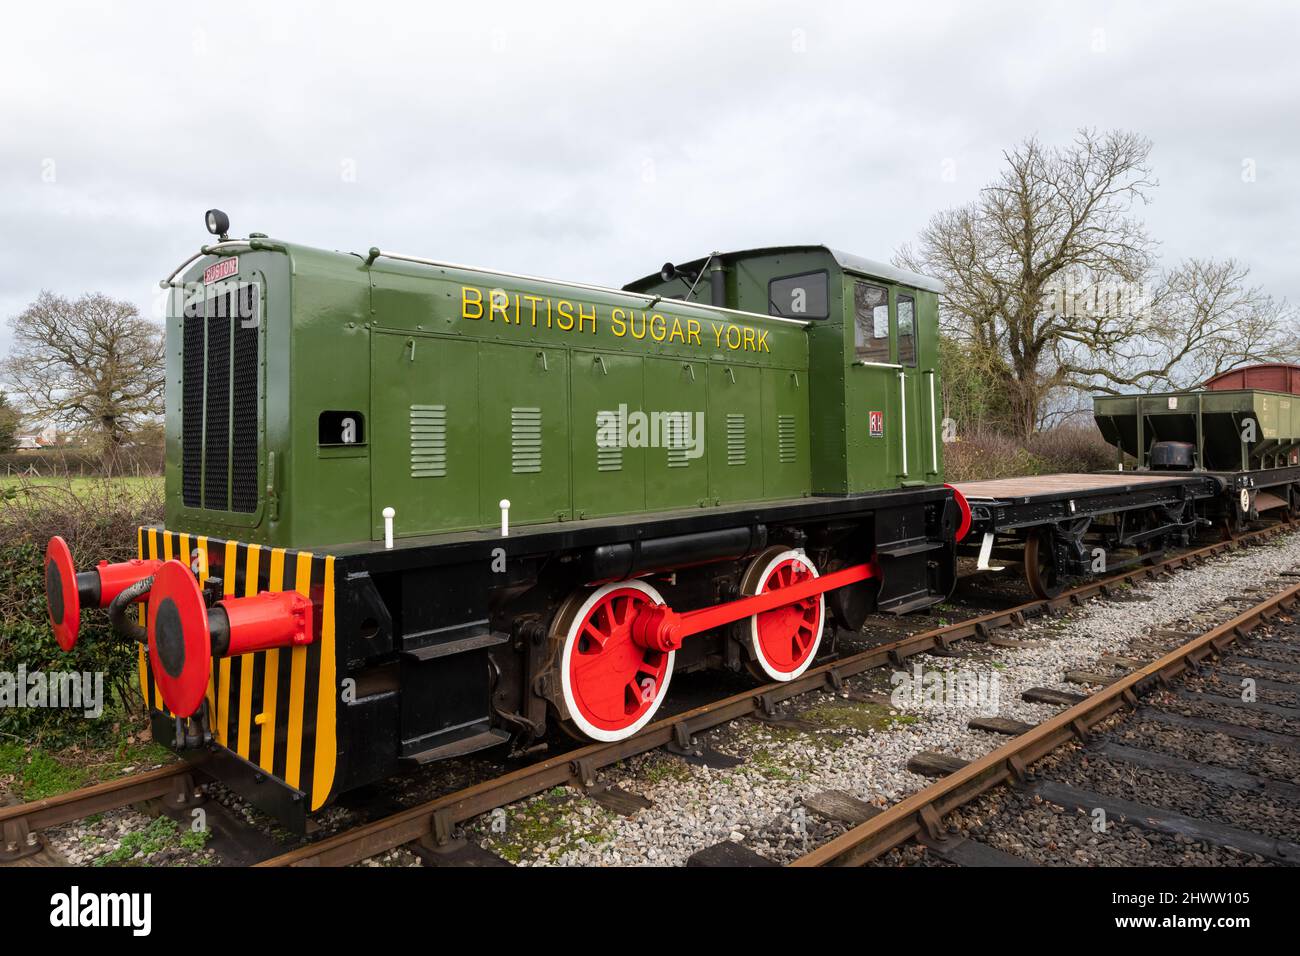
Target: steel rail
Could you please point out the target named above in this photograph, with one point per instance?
(922, 813)
(21, 823)
(432, 822)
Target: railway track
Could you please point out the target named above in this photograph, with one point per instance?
(429, 826)
(1265, 837)
(21, 824)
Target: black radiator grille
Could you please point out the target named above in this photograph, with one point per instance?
(192, 405)
(243, 467)
(219, 404)
(216, 420)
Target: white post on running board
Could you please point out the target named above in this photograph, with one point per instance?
(986, 551)
(389, 515)
(505, 517)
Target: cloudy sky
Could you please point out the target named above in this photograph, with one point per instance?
(594, 141)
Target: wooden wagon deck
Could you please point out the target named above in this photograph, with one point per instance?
(1031, 486)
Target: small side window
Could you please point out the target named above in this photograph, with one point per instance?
(799, 297)
(871, 322)
(906, 331)
(341, 428)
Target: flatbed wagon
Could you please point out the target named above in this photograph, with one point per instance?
(1065, 525)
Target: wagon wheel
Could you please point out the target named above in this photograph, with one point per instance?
(1234, 522)
(781, 642)
(607, 686)
(1040, 565)
(1156, 547)
(1293, 503)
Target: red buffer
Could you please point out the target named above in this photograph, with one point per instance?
(963, 527)
(68, 590)
(184, 634)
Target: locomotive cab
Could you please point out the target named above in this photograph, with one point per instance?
(873, 344)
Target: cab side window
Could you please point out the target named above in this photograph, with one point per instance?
(906, 331)
(799, 297)
(871, 322)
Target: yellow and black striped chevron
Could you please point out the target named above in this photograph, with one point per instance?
(275, 708)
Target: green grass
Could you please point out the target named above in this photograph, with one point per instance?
(143, 487)
(34, 773)
(770, 766)
(532, 827)
(163, 833)
(663, 767)
(861, 716)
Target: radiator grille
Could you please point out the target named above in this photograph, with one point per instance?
(678, 438)
(220, 400)
(609, 459)
(610, 438)
(428, 441)
(243, 445)
(735, 438)
(216, 420)
(525, 441)
(192, 405)
(787, 451)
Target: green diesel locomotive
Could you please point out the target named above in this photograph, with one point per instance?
(417, 509)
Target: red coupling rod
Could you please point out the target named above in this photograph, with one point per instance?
(660, 628)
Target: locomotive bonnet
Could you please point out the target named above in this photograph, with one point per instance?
(417, 509)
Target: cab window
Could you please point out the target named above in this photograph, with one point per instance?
(799, 296)
(906, 331)
(871, 322)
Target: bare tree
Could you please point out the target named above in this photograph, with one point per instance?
(92, 364)
(1051, 214)
(1203, 317)
(1050, 286)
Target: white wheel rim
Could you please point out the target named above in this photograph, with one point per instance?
(566, 684)
(756, 646)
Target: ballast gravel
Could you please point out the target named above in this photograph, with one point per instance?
(862, 748)
(1039, 832)
(1220, 750)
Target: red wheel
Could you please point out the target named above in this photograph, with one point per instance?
(782, 642)
(62, 599)
(610, 685)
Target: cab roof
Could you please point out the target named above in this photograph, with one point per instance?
(845, 260)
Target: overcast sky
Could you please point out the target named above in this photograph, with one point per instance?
(593, 142)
